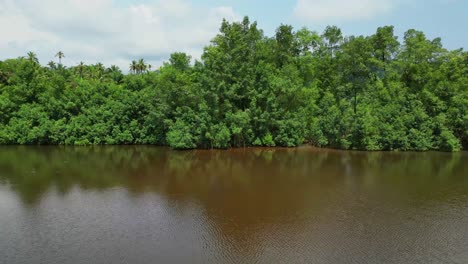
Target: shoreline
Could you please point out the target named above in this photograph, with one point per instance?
(233, 149)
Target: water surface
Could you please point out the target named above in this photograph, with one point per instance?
(304, 205)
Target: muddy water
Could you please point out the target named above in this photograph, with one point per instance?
(303, 205)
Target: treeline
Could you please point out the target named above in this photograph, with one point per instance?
(355, 92)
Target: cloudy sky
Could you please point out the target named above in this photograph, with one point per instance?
(117, 31)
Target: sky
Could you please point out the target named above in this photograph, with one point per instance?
(118, 31)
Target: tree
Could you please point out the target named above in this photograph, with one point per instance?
(52, 65)
(134, 66)
(287, 45)
(60, 55)
(32, 57)
(249, 89)
(115, 73)
(141, 66)
(80, 69)
(180, 61)
(385, 43)
(308, 41)
(333, 37)
(356, 65)
(99, 70)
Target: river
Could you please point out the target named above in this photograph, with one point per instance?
(143, 204)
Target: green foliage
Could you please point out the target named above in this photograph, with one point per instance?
(448, 142)
(180, 136)
(267, 140)
(219, 136)
(296, 87)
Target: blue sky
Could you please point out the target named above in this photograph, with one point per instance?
(117, 31)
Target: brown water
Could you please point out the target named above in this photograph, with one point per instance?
(304, 205)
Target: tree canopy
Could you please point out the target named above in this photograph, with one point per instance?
(248, 89)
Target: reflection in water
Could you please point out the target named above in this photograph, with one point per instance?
(135, 204)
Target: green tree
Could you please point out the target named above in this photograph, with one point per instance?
(60, 56)
(249, 89)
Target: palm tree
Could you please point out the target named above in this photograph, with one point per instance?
(141, 65)
(115, 73)
(113, 69)
(149, 67)
(32, 57)
(99, 69)
(81, 68)
(134, 66)
(100, 66)
(51, 65)
(60, 55)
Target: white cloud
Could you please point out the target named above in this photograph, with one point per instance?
(341, 10)
(102, 31)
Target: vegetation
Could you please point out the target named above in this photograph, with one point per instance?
(356, 92)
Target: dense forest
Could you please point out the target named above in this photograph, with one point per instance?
(299, 86)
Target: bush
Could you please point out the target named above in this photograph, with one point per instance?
(448, 142)
(179, 136)
(267, 140)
